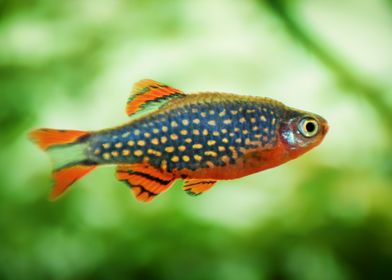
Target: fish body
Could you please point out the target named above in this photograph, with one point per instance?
(202, 138)
(206, 134)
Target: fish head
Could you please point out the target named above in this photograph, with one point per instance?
(301, 131)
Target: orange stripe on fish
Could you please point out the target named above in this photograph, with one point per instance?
(46, 138)
(147, 91)
(197, 187)
(145, 181)
(65, 177)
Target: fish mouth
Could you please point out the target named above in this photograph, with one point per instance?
(323, 124)
(325, 127)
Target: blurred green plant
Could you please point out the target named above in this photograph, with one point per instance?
(287, 12)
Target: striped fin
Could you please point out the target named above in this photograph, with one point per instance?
(198, 186)
(67, 151)
(65, 177)
(46, 138)
(149, 95)
(145, 181)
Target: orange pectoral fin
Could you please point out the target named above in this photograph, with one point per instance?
(145, 181)
(196, 186)
(65, 177)
(148, 92)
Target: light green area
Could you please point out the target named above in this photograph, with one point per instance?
(326, 215)
(67, 154)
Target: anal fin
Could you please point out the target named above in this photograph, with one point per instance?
(145, 181)
(198, 186)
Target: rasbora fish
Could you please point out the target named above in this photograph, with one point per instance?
(201, 138)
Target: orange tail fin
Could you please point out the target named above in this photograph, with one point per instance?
(46, 138)
(67, 150)
(65, 177)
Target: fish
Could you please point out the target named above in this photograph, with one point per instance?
(199, 138)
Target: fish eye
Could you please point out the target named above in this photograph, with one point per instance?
(308, 127)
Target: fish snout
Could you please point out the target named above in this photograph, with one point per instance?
(324, 126)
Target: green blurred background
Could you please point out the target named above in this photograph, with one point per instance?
(70, 65)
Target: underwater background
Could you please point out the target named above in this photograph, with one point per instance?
(71, 64)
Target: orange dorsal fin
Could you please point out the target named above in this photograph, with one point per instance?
(46, 138)
(198, 186)
(145, 181)
(148, 95)
(65, 177)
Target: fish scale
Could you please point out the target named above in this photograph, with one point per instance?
(208, 120)
(201, 138)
